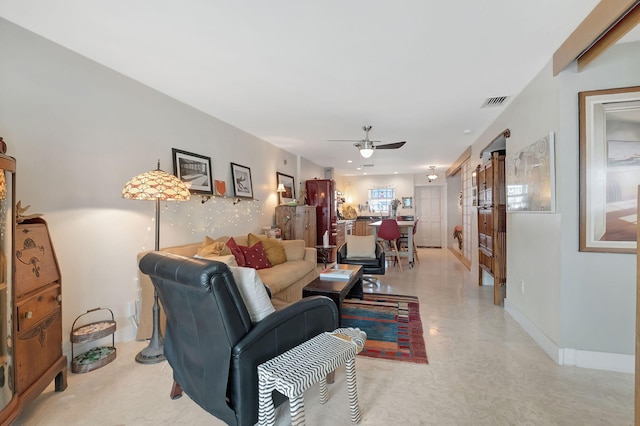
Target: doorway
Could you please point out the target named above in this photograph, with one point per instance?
(429, 210)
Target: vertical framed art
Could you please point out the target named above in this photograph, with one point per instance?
(609, 169)
(241, 177)
(289, 194)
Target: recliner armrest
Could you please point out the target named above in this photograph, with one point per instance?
(289, 327)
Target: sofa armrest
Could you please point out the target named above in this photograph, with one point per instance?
(311, 255)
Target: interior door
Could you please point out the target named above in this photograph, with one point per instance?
(429, 210)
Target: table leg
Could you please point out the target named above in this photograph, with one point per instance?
(296, 405)
(410, 244)
(266, 412)
(324, 392)
(352, 389)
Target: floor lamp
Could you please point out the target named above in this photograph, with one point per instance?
(157, 186)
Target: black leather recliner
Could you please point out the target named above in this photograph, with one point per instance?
(369, 265)
(211, 344)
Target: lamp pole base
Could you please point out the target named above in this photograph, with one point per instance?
(154, 352)
(143, 358)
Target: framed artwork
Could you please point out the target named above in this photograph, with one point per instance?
(241, 177)
(609, 169)
(530, 174)
(194, 170)
(289, 194)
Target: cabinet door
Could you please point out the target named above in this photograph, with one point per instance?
(285, 218)
(310, 230)
(37, 349)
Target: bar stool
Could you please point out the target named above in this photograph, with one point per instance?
(390, 232)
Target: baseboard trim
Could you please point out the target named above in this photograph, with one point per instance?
(566, 356)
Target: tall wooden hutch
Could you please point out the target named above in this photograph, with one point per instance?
(30, 306)
(321, 194)
(492, 223)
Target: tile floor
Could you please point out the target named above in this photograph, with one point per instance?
(483, 370)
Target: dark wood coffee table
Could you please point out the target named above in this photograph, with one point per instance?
(337, 290)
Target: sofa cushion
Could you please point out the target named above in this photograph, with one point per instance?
(237, 253)
(361, 246)
(280, 277)
(228, 259)
(294, 249)
(272, 247)
(255, 257)
(211, 247)
(253, 293)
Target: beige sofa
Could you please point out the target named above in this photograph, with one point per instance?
(285, 281)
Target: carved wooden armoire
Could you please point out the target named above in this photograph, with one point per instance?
(30, 306)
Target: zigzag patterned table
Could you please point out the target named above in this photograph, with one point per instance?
(294, 371)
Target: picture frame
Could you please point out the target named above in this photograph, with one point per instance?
(242, 183)
(289, 195)
(530, 176)
(194, 170)
(609, 169)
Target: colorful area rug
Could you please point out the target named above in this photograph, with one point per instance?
(392, 323)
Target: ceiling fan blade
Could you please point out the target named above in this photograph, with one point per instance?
(344, 140)
(394, 145)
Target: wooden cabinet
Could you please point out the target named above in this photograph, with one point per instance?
(343, 228)
(38, 308)
(297, 223)
(321, 194)
(30, 313)
(362, 228)
(492, 223)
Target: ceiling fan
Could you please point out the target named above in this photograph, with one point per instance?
(366, 146)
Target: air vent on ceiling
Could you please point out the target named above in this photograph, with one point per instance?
(367, 165)
(494, 102)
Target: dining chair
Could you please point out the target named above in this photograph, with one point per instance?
(390, 232)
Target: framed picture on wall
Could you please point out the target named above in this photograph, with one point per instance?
(194, 170)
(289, 194)
(242, 185)
(609, 169)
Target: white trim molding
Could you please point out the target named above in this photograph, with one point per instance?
(566, 356)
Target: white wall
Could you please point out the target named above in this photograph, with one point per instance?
(79, 131)
(579, 304)
(598, 297)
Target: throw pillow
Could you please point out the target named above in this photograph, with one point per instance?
(228, 259)
(255, 257)
(210, 247)
(272, 247)
(236, 252)
(253, 293)
(361, 246)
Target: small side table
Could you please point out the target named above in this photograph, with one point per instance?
(324, 252)
(294, 371)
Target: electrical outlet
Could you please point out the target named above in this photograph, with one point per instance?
(522, 285)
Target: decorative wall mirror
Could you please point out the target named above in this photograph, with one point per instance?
(609, 169)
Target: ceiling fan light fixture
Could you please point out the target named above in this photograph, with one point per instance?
(366, 152)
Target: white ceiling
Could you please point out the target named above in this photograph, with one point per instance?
(296, 73)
